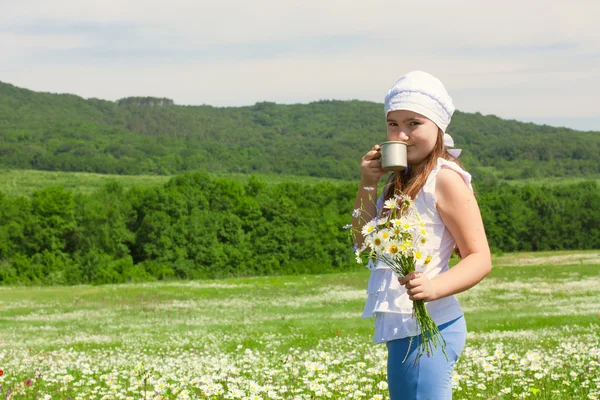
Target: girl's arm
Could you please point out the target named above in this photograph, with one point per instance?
(459, 210)
(365, 202)
(371, 172)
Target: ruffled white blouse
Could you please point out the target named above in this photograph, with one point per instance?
(387, 300)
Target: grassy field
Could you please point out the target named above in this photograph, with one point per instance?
(16, 182)
(551, 181)
(534, 331)
(23, 182)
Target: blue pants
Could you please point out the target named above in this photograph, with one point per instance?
(431, 377)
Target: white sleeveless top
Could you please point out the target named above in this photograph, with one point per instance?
(387, 300)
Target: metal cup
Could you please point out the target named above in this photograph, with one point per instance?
(393, 156)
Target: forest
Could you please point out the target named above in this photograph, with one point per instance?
(195, 226)
(201, 225)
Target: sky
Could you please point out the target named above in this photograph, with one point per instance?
(533, 60)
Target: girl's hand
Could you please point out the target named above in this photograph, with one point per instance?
(419, 287)
(370, 167)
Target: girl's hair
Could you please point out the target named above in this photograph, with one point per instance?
(411, 181)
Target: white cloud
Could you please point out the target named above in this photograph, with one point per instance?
(512, 58)
(12, 45)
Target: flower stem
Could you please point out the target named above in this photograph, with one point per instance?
(431, 337)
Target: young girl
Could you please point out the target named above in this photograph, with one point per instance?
(418, 111)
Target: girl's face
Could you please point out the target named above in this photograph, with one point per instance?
(418, 132)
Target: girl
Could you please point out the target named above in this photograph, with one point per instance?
(418, 111)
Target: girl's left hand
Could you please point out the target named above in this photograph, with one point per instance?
(418, 286)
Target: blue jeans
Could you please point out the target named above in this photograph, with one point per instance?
(431, 377)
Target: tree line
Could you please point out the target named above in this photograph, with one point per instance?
(196, 226)
(139, 135)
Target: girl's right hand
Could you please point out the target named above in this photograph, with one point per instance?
(370, 167)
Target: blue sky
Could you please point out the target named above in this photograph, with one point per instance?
(528, 60)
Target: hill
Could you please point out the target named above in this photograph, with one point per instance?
(62, 132)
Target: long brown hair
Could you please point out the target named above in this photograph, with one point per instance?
(411, 180)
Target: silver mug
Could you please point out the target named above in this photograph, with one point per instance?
(393, 156)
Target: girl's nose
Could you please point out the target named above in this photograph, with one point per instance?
(403, 137)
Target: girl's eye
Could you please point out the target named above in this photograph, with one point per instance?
(415, 123)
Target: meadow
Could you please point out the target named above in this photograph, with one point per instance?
(19, 182)
(534, 332)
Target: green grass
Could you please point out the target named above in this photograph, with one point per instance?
(549, 181)
(16, 182)
(533, 329)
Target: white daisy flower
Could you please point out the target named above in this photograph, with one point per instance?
(390, 204)
(377, 241)
(386, 234)
(382, 221)
(393, 248)
(369, 228)
(358, 258)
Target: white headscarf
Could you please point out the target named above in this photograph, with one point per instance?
(424, 94)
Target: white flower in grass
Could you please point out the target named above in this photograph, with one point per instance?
(369, 228)
(383, 385)
(505, 390)
(481, 386)
(523, 362)
(531, 356)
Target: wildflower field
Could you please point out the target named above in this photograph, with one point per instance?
(534, 332)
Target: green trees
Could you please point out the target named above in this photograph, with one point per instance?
(323, 139)
(199, 227)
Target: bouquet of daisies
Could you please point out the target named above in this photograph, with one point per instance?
(398, 239)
